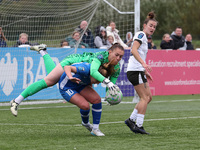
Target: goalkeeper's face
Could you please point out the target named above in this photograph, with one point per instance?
(115, 56)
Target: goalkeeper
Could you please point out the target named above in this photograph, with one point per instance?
(115, 53)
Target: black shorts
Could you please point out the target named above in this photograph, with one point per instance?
(136, 77)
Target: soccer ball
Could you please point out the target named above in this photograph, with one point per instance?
(113, 100)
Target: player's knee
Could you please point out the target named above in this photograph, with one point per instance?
(50, 82)
(149, 98)
(85, 106)
(95, 100)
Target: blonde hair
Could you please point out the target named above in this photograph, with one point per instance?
(110, 36)
(165, 35)
(23, 34)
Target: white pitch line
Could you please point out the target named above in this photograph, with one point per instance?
(59, 101)
(35, 102)
(61, 125)
(187, 100)
(41, 107)
(167, 101)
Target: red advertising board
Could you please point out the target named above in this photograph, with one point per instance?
(174, 72)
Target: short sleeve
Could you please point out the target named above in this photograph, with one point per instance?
(139, 36)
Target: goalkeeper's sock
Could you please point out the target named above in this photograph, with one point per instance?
(19, 99)
(140, 120)
(49, 63)
(96, 113)
(34, 88)
(85, 115)
(134, 115)
(43, 52)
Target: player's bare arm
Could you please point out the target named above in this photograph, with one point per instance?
(68, 71)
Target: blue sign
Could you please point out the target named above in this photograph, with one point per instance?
(20, 67)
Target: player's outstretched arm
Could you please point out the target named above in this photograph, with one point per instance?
(68, 71)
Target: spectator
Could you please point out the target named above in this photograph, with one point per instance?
(68, 38)
(188, 41)
(110, 39)
(101, 38)
(75, 39)
(129, 39)
(23, 41)
(87, 34)
(178, 39)
(151, 45)
(167, 42)
(64, 44)
(2, 39)
(111, 30)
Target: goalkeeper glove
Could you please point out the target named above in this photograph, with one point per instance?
(113, 89)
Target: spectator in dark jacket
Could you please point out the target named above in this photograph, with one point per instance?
(188, 40)
(151, 45)
(178, 39)
(2, 39)
(167, 42)
(87, 35)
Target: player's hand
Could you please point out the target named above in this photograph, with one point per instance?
(147, 67)
(114, 89)
(76, 80)
(149, 77)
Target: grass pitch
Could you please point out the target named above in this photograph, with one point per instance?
(173, 123)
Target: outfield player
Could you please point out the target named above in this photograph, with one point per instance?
(138, 73)
(75, 86)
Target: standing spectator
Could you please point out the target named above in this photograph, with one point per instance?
(151, 45)
(178, 39)
(111, 30)
(167, 42)
(129, 39)
(2, 39)
(87, 34)
(75, 39)
(101, 38)
(188, 40)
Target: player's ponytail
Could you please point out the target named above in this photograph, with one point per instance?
(151, 16)
(107, 69)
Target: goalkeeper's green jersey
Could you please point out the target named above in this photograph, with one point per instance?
(96, 60)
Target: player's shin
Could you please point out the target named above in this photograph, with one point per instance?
(96, 113)
(85, 115)
(34, 88)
